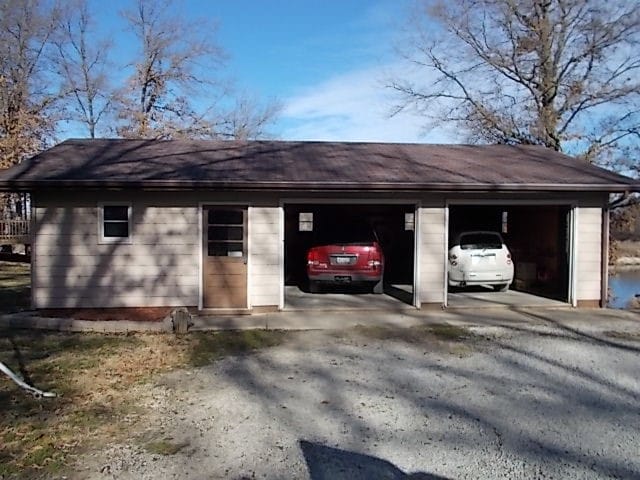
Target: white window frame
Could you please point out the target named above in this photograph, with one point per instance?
(102, 238)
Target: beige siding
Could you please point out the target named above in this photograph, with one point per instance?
(159, 266)
(431, 251)
(588, 254)
(264, 256)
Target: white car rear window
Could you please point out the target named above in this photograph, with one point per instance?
(472, 241)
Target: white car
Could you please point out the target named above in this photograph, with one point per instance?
(480, 258)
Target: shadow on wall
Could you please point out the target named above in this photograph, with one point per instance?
(156, 266)
(328, 463)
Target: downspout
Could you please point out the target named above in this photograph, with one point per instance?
(33, 224)
(604, 271)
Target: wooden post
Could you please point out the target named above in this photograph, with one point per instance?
(181, 320)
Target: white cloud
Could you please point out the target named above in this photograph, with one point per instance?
(355, 106)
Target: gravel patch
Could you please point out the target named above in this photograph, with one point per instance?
(512, 402)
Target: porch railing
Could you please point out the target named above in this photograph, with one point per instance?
(14, 231)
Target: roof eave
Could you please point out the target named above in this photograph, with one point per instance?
(29, 186)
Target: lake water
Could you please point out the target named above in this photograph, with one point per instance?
(624, 286)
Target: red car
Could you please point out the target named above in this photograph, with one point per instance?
(351, 255)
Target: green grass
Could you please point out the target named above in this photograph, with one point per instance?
(15, 286)
(634, 336)
(210, 346)
(452, 333)
(416, 334)
(165, 447)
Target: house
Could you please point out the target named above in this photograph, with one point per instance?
(137, 223)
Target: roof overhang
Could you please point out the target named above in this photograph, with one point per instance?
(163, 185)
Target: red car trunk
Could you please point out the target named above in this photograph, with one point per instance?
(345, 264)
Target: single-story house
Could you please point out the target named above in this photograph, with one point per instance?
(223, 225)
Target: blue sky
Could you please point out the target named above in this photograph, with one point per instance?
(325, 61)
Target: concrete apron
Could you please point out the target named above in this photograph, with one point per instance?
(311, 320)
(30, 320)
(483, 298)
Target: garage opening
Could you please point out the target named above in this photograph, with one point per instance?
(539, 241)
(348, 270)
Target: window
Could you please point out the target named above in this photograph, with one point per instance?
(115, 222)
(505, 222)
(225, 232)
(305, 222)
(409, 221)
(473, 241)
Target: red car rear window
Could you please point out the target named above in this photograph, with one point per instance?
(346, 233)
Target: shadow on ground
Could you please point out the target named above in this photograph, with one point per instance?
(328, 463)
(545, 395)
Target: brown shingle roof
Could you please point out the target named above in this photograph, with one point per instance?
(307, 165)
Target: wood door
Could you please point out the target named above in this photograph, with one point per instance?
(224, 257)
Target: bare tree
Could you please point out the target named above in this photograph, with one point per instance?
(28, 95)
(28, 92)
(559, 73)
(177, 89)
(176, 60)
(82, 62)
(249, 119)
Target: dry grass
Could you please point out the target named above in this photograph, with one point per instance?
(627, 248)
(209, 347)
(101, 382)
(165, 446)
(15, 286)
(447, 337)
(633, 336)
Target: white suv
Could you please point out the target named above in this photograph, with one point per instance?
(480, 258)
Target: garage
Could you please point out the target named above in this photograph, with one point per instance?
(227, 227)
(538, 238)
(352, 229)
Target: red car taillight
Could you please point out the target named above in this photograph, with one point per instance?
(374, 259)
(313, 258)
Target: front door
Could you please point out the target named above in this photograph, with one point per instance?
(224, 257)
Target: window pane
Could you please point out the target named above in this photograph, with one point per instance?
(224, 249)
(116, 229)
(409, 221)
(346, 231)
(116, 212)
(228, 217)
(305, 226)
(480, 240)
(225, 233)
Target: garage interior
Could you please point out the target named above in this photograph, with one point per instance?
(394, 226)
(539, 239)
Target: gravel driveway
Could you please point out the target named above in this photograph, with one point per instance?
(522, 401)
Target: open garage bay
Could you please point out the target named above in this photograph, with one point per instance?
(539, 240)
(309, 225)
